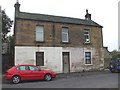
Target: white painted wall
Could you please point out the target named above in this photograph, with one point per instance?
(77, 59)
(53, 57)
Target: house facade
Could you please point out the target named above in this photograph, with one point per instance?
(62, 44)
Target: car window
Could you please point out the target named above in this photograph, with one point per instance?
(33, 68)
(22, 68)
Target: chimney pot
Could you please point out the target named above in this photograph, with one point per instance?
(87, 16)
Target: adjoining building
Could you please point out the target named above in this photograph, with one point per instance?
(107, 58)
(63, 44)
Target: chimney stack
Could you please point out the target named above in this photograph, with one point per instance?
(87, 16)
(17, 6)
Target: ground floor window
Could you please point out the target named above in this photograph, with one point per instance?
(39, 58)
(88, 58)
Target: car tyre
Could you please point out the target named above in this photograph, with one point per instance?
(16, 79)
(48, 77)
(112, 70)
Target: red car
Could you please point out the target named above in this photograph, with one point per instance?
(28, 72)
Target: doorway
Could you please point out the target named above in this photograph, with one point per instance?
(66, 62)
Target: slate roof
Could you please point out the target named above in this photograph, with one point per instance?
(60, 19)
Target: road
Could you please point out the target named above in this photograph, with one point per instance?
(98, 80)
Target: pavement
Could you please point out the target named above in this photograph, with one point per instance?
(87, 73)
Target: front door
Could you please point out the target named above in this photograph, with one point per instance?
(66, 62)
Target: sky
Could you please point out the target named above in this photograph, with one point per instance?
(104, 12)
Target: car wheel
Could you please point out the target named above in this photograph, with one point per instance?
(15, 79)
(48, 77)
(112, 70)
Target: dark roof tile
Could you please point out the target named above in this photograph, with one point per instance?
(51, 18)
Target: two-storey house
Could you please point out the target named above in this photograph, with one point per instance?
(63, 44)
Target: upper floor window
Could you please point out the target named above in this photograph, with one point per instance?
(86, 36)
(40, 33)
(65, 35)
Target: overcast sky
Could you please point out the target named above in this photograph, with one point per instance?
(104, 12)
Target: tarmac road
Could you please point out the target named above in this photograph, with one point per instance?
(79, 80)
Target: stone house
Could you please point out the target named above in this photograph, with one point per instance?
(63, 44)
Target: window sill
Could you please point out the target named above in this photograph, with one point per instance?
(88, 43)
(88, 64)
(65, 42)
(42, 67)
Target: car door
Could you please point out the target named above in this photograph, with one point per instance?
(35, 73)
(24, 72)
